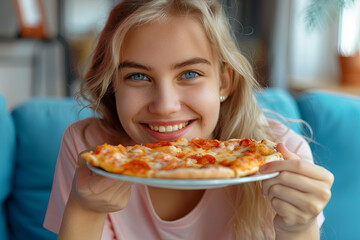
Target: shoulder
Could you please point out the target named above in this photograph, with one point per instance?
(292, 140)
(86, 133)
(78, 127)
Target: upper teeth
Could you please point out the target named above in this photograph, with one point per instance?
(168, 128)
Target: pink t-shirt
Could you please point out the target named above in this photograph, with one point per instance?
(139, 219)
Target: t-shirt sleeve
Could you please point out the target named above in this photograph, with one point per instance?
(64, 173)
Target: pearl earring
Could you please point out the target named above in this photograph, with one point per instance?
(222, 98)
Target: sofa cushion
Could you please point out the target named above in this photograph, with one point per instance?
(278, 104)
(7, 151)
(335, 121)
(40, 123)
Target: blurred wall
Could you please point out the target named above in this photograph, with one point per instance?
(271, 33)
(301, 56)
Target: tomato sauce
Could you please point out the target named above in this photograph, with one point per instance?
(162, 143)
(204, 159)
(205, 143)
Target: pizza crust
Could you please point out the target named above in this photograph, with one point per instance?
(243, 173)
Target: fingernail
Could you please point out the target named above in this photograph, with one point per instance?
(262, 168)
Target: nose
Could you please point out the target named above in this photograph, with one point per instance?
(165, 100)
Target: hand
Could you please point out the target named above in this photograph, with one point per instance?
(298, 194)
(99, 193)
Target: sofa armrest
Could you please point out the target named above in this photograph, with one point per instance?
(7, 163)
(279, 105)
(40, 123)
(335, 121)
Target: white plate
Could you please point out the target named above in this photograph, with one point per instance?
(184, 183)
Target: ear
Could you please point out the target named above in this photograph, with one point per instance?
(226, 80)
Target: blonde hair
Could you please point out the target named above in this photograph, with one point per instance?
(240, 115)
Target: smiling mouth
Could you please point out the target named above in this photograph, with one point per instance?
(168, 128)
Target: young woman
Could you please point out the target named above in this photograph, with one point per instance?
(173, 64)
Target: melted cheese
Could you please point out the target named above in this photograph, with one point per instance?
(139, 159)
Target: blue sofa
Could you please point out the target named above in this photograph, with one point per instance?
(30, 138)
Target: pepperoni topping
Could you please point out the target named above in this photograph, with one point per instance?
(204, 159)
(136, 166)
(246, 142)
(98, 149)
(162, 143)
(180, 155)
(205, 143)
(227, 163)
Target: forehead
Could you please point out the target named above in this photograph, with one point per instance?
(173, 39)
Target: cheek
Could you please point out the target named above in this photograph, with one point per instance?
(127, 105)
(212, 105)
(206, 102)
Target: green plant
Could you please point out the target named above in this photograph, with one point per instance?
(320, 12)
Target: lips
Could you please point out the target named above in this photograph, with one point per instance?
(168, 128)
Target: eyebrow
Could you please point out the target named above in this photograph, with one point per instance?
(129, 64)
(192, 61)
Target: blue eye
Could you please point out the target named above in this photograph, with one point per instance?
(138, 77)
(189, 75)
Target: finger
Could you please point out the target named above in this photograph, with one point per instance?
(110, 186)
(123, 192)
(98, 183)
(82, 171)
(300, 167)
(120, 197)
(287, 154)
(308, 204)
(286, 194)
(289, 216)
(298, 182)
(81, 161)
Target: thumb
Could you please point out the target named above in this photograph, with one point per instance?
(287, 154)
(82, 172)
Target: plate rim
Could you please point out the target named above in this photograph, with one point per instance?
(184, 183)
